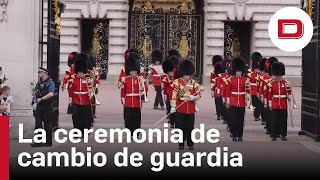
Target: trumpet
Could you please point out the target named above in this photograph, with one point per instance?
(249, 101)
(143, 89)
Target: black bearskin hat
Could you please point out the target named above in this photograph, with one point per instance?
(91, 60)
(175, 60)
(215, 59)
(71, 58)
(81, 64)
(167, 66)
(132, 50)
(278, 69)
(255, 59)
(186, 67)
(173, 52)
(132, 64)
(157, 55)
(218, 68)
(262, 64)
(225, 64)
(269, 63)
(238, 64)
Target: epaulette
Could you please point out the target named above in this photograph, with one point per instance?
(250, 70)
(123, 79)
(269, 83)
(249, 74)
(176, 82)
(288, 83)
(219, 75)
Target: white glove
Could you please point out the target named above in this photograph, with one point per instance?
(173, 110)
(191, 97)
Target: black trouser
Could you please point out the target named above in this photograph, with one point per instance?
(171, 116)
(124, 117)
(279, 122)
(82, 117)
(257, 104)
(158, 100)
(227, 117)
(263, 113)
(268, 118)
(44, 120)
(219, 105)
(237, 121)
(133, 118)
(185, 122)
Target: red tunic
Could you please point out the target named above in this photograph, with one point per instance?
(132, 92)
(182, 104)
(79, 91)
(264, 88)
(212, 83)
(167, 85)
(253, 82)
(155, 72)
(70, 74)
(236, 91)
(279, 91)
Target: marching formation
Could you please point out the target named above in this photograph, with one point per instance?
(235, 87)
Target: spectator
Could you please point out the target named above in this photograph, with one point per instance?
(3, 107)
(8, 100)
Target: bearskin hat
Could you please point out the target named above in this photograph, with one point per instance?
(225, 63)
(215, 59)
(186, 67)
(238, 64)
(167, 66)
(173, 52)
(262, 64)
(91, 60)
(278, 69)
(175, 60)
(81, 64)
(218, 68)
(132, 50)
(71, 58)
(255, 59)
(269, 63)
(156, 55)
(132, 63)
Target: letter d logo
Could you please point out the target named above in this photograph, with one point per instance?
(290, 29)
(285, 25)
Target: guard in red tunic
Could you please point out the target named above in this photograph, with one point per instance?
(186, 92)
(155, 73)
(215, 59)
(279, 94)
(253, 75)
(237, 89)
(133, 88)
(123, 71)
(167, 81)
(260, 89)
(81, 93)
(216, 89)
(265, 90)
(68, 76)
(223, 85)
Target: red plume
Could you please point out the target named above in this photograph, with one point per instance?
(71, 57)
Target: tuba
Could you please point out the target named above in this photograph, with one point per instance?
(142, 89)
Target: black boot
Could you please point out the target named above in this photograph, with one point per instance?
(191, 148)
(273, 139)
(283, 138)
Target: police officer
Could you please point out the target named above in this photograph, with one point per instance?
(45, 89)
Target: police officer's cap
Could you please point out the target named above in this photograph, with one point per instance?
(41, 69)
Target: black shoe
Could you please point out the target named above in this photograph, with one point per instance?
(155, 107)
(172, 126)
(265, 127)
(181, 147)
(36, 145)
(162, 108)
(278, 136)
(263, 123)
(273, 139)
(224, 122)
(240, 139)
(267, 132)
(234, 139)
(231, 135)
(218, 118)
(284, 139)
(191, 148)
(95, 116)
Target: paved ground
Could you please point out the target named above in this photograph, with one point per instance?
(299, 154)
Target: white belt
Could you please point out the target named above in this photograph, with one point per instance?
(156, 75)
(253, 84)
(132, 94)
(238, 93)
(279, 96)
(80, 92)
(184, 99)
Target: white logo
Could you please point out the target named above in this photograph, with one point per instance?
(290, 29)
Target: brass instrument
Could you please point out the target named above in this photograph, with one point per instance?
(90, 77)
(249, 103)
(292, 102)
(142, 89)
(91, 91)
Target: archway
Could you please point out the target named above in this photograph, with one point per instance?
(165, 25)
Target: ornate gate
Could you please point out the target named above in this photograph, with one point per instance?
(95, 38)
(177, 25)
